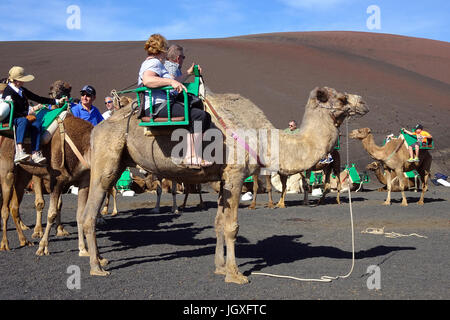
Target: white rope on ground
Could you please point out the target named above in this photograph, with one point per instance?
(380, 231)
(327, 278)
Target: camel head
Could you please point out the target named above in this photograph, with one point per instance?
(373, 166)
(340, 105)
(59, 88)
(360, 133)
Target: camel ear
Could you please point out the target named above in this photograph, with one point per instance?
(322, 95)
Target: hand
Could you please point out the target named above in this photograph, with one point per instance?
(191, 69)
(178, 86)
(62, 101)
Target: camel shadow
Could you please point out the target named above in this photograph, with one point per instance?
(289, 249)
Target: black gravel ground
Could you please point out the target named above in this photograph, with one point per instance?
(171, 257)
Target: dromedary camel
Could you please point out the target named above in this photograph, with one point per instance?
(394, 155)
(121, 142)
(377, 168)
(64, 168)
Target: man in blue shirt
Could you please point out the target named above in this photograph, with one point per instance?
(85, 110)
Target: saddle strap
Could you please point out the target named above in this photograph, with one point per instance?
(62, 135)
(76, 151)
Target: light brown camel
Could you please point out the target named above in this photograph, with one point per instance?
(377, 168)
(394, 155)
(117, 143)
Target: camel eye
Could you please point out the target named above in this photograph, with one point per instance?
(343, 100)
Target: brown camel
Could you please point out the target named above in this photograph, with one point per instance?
(394, 155)
(377, 168)
(121, 142)
(61, 171)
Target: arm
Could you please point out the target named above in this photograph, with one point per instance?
(34, 97)
(152, 80)
(189, 72)
(408, 132)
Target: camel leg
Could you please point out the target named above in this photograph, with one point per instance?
(156, 209)
(389, 187)
(255, 192)
(39, 203)
(401, 180)
(424, 176)
(104, 211)
(305, 189)
(60, 231)
(269, 192)
(7, 184)
(202, 205)
(82, 199)
(231, 197)
(52, 216)
(327, 185)
(280, 203)
(186, 195)
(219, 258)
(88, 219)
(174, 197)
(115, 212)
(14, 204)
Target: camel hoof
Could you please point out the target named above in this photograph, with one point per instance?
(238, 278)
(114, 213)
(270, 205)
(154, 211)
(220, 271)
(61, 232)
(5, 246)
(42, 251)
(83, 253)
(175, 211)
(420, 203)
(252, 207)
(37, 234)
(387, 203)
(104, 212)
(103, 262)
(281, 205)
(26, 243)
(23, 226)
(99, 272)
(404, 204)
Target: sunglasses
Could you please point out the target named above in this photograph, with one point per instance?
(106, 102)
(86, 94)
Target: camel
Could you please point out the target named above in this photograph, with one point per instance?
(121, 142)
(376, 167)
(64, 167)
(394, 155)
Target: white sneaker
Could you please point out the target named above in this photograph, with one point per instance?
(21, 156)
(38, 158)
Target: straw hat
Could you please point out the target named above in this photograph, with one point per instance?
(18, 73)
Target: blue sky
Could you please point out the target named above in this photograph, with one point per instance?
(109, 20)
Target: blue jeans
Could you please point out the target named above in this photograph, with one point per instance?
(22, 125)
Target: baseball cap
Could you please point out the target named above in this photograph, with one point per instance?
(419, 126)
(88, 89)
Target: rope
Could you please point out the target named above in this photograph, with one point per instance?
(380, 231)
(327, 278)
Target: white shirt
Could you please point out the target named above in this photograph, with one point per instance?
(107, 114)
(154, 65)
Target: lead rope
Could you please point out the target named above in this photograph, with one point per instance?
(327, 278)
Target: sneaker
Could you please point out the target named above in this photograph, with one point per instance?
(411, 160)
(38, 158)
(21, 156)
(247, 196)
(416, 159)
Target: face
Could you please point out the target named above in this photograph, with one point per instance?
(180, 59)
(109, 103)
(418, 131)
(18, 83)
(87, 99)
(292, 126)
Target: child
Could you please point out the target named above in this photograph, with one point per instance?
(421, 137)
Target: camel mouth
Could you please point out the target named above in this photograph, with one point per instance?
(357, 106)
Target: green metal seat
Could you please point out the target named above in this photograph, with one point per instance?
(124, 182)
(6, 128)
(192, 87)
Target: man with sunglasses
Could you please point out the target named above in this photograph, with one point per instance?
(85, 109)
(174, 63)
(109, 108)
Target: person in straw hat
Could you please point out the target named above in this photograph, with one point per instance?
(20, 96)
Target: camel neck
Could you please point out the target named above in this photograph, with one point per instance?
(374, 151)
